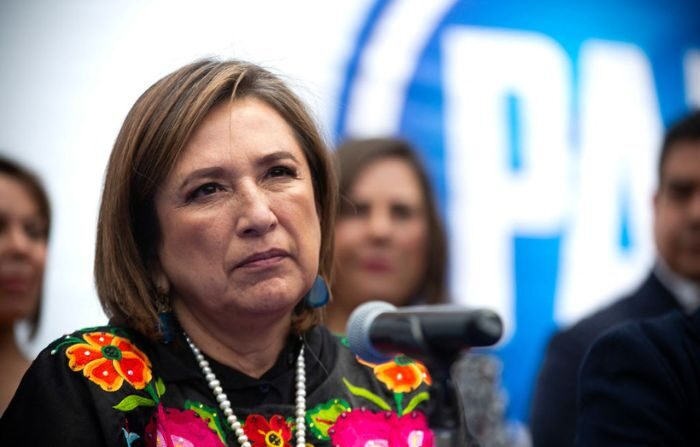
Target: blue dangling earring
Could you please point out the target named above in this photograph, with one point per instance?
(318, 295)
(166, 318)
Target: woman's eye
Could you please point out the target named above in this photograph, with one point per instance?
(206, 189)
(282, 171)
(402, 211)
(35, 231)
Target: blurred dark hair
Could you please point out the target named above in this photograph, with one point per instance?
(686, 128)
(353, 155)
(35, 188)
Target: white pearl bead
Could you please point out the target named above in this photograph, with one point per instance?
(225, 404)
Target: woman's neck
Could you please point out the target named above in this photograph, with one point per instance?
(13, 365)
(337, 315)
(251, 347)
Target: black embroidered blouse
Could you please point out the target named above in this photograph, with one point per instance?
(109, 386)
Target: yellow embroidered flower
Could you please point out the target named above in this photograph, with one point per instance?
(109, 360)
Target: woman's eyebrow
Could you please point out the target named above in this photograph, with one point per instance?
(276, 156)
(212, 171)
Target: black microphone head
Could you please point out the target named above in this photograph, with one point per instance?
(358, 330)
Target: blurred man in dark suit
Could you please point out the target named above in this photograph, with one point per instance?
(640, 385)
(673, 283)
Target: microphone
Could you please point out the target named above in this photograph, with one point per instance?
(378, 330)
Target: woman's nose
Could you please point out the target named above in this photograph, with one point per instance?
(14, 239)
(255, 215)
(379, 223)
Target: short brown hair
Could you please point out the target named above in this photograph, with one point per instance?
(33, 185)
(353, 155)
(149, 144)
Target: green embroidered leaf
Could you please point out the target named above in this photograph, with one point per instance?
(160, 387)
(322, 417)
(398, 398)
(67, 340)
(417, 399)
(134, 401)
(92, 329)
(151, 390)
(367, 394)
(210, 415)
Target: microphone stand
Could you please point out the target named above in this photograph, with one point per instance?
(446, 417)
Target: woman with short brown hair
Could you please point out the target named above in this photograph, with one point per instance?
(214, 245)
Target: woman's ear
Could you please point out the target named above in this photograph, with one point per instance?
(159, 278)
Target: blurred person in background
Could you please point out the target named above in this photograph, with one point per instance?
(389, 240)
(673, 283)
(390, 245)
(24, 230)
(639, 384)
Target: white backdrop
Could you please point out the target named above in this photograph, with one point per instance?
(71, 69)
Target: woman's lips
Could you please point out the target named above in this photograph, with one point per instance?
(263, 259)
(15, 285)
(376, 265)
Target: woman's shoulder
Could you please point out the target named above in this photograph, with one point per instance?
(82, 378)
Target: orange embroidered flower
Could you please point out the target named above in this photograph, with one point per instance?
(402, 374)
(109, 360)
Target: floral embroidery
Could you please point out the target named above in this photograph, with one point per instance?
(361, 427)
(172, 427)
(401, 374)
(262, 433)
(108, 360)
(320, 418)
(130, 437)
(209, 415)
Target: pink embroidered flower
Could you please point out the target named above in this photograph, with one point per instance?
(362, 428)
(170, 427)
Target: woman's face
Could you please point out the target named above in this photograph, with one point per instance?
(381, 242)
(240, 233)
(22, 251)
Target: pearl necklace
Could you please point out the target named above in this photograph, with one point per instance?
(225, 404)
